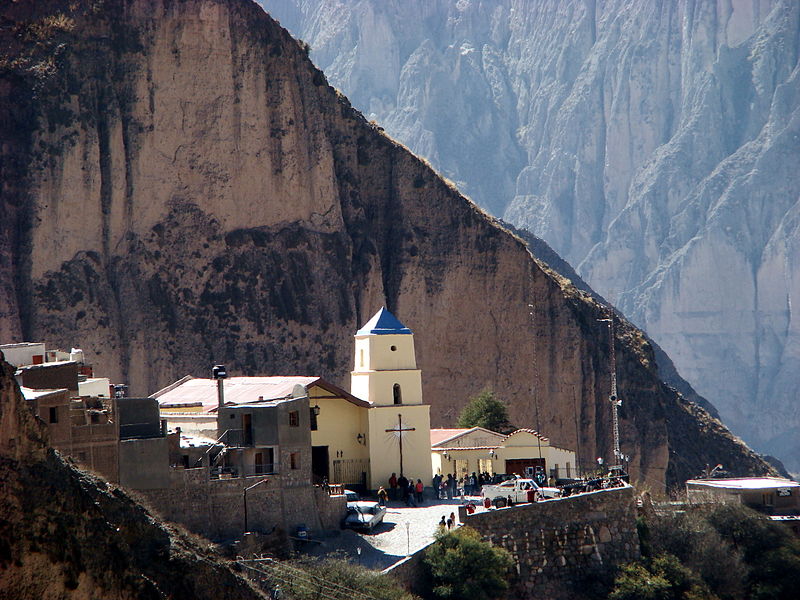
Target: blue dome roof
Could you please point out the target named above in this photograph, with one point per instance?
(384, 323)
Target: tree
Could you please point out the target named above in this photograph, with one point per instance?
(485, 410)
(461, 565)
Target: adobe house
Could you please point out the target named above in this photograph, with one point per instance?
(120, 439)
(522, 452)
(243, 461)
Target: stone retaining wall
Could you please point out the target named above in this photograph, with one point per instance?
(558, 545)
(408, 572)
(215, 507)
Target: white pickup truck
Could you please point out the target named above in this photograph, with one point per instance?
(518, 490)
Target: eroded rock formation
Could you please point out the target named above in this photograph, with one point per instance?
(187, 189)
(653, 144)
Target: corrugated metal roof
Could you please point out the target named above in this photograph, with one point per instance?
(241, 391)
(745, 483)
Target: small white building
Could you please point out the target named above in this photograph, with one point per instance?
(461, 451)
(771, 495)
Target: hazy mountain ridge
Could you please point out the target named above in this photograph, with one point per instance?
(188, 190)
(652, 144)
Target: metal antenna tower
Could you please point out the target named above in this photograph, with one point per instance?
(613, 397)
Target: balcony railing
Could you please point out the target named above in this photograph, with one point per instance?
(232, 472)
(237, 438)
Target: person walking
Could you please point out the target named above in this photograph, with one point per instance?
(382, 496)
(411, 491)
(402, 484)
(443, 524)
(451, 521)
(393, 486)
(420, 489)
(451, 486)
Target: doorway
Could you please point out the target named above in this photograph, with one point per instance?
(319, 464)
(519, 466)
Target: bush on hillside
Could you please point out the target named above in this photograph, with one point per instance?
(660, 578)
(461, 565)
(332, 579)
(736, 552)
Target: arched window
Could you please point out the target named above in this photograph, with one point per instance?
(362, 357)
(398, 396)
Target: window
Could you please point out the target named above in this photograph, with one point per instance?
(259, 463)
(569, 470)
(312, 415)
(294, 418)
(393, 348)
(398, 396)
(54, 414)
(294, 460)
(362, 357)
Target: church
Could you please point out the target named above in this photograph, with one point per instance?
(389, 432)
(357, 438)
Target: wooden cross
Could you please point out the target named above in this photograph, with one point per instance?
(399, 430)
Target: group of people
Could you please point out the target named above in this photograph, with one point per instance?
(467, 485)
(448, 523)
(446, 488)
(407, 490)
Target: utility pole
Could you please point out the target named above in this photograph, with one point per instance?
(244, 493)
(613, 397)
(536, 381)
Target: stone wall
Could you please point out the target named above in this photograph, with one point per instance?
(409, 572)
(215, 507)
(560, 544)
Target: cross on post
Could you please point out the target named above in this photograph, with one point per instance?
(399, 430)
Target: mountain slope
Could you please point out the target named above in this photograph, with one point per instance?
(652, 144)
(66, 534)
(190, 191)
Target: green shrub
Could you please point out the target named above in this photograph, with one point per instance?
(736, 552)
(312, 579)
(662, 578)
(461, 565)
(487, 411)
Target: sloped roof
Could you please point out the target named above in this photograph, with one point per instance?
(242, 391)
(32, 394)
(442, 436)
(530, 431)
(745, 483)
(384, 323)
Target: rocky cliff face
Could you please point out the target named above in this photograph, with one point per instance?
(66, 534)
(652, 144)
(189, 190)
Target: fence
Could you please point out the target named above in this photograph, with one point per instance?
(352, 471)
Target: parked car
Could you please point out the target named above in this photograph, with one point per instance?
(518, 490)
(364, 515)
(351, 497)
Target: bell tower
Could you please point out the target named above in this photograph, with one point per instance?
(399, 424)
(385, 370)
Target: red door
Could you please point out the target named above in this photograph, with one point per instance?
(517, 466)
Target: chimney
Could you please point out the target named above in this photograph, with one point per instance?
(219, 373)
